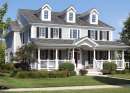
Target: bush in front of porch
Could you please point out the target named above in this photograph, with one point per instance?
(66, 66)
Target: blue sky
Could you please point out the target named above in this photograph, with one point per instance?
(112, 12)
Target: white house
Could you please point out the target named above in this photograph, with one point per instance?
(81, 39)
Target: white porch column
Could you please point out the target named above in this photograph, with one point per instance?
(123, 60)
(109, 59)
(74, 60)
(39, 61)
(94, 58)
(73, 53)
(56, 60)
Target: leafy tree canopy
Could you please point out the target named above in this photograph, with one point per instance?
(2, 53)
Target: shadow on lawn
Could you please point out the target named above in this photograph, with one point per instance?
(111, 81)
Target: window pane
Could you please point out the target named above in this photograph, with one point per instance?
(45, 14)
(70, 16)
(93, 18)
(42, 32)
(74, 33)
(55, 33)
(78, 33)
(92, 35)
(104, 35)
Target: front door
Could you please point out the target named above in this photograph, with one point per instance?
(75, 57)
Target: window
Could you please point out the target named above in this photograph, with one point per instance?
(42, 33)
(104, 35)
(45, 14)
(93, 18)
(74, 33)
(43, 54)
(55, 33)
(78, 56)
(70, 16)
(92, 35)
(69, 56)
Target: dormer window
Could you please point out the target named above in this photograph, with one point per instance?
(93, 18)
(45, 14)
(70, 16)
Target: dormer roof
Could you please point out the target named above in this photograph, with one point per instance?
(89, 12)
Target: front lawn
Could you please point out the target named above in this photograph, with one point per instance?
(121, 76)
(112, 90)
(9, 82)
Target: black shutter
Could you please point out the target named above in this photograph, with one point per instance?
(59, 54)
(46, 32)
(46, 56)
(23, 37)
(88, 56)
(100, 35)
(51, 32)
(100, 55)
(29, 32)
(107, 35)
(37, 54)
(37, 32)
(60, 32)
(95, 35)
(89, 33)
(107, 55)
(96, 55)
(51, 56)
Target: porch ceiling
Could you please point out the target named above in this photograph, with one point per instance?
(85, 47)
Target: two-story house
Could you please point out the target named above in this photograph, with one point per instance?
(81, 39)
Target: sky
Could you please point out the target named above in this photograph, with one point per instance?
(112, 12)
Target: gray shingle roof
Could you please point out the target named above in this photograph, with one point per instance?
(112, 43)
(15, 26)
(55, 19)
(52, 41)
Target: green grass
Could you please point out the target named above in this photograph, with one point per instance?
(112, 90)
(9, 82)
(121, 76)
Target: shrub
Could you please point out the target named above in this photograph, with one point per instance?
(14, 72)
(23, 66)
(66, 66)
(105, 71)
(56, 75)
(113, 72)
(109, 66)
(66, 72)
(125, 71)
(119, 72)
(5, 71)
(73, 73)
(7, 67)
(83, 71)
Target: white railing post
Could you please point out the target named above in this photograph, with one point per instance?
(94, 59)
(39, 61)
(109, 59)
(56, 60)
(101, 65)
(47, 64)
(123, 61)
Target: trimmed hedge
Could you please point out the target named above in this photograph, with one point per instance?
(73, 73)
(66, 66)
(14, 72)
(7, 67)
(56, 75)
(119, 72)
(83, 71)
(23, 66)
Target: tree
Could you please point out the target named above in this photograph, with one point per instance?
(125, 36)
(2, 53)
(4, 25)
(24, 54)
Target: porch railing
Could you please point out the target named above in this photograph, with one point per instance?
(99, 64)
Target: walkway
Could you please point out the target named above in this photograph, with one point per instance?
(67, 88)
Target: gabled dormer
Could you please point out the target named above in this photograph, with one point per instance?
(90, 16)
(69, 15)
(44, 13)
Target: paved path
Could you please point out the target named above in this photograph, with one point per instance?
(67, 88)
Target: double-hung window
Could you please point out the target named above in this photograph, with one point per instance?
(70, 16)
(45, 14)
(104, 35)
(93, 18)
(55, 33)
(92, 35)
(74, 33)
(42, 33)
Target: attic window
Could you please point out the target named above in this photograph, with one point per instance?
(70, 16)
(45, 14)
(93, 18)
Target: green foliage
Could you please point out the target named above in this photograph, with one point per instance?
(83, 71)
(113, 72)
(2, 53)
(24, 54)
(109, 66)
(119, 72)
(105, 71)
(125, 71)
(73, 73)
(125, 36)
(115, 57)
(14, 72)
(7, 67)
(56, 75)
(66, 66)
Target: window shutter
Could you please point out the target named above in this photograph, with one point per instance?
(23, 37)
(51, 56)
(30, 32)
(100, 55)
(37, 54)
(51, 32)
(59, 54)
(89, 33)
(37, 32)
(89, 57)
(107, 35)
(60, 32)
(95, 35)
(100, 35)
(46, 32)
(46, 56)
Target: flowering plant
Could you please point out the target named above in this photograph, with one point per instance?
(83, 71)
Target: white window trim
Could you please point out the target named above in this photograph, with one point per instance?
(44, 32)
(105, 36)
(58, 33)
(77, 33)
(74, 16)
(94, 34)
